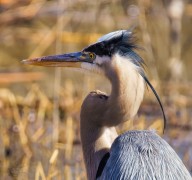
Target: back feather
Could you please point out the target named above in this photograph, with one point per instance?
(137, 155)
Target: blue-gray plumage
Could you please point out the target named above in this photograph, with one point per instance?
(135, 155)
(143, 155)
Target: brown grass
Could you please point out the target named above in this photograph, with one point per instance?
(39, 111)
(29, 151)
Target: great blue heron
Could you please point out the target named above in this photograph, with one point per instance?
(138, 155)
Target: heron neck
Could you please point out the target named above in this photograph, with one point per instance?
(127, 90)
(98, 118)
(96, 142)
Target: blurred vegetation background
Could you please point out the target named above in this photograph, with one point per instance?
(39, 107)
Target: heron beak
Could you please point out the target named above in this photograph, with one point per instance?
(63, 60)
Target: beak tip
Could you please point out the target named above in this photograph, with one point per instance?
(26, 61)
(31, 61)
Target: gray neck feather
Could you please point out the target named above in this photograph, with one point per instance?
(96, 142)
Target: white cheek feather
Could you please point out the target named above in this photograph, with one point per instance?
(101, 60)
(92, 68)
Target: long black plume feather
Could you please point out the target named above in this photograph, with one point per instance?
(158, 99)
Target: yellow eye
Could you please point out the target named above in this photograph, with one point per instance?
(92, 55)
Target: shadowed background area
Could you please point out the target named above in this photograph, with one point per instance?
(39, 107)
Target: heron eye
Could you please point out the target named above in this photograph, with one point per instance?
(92, 55)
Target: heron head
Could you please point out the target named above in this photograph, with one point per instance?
(99, 56)
(96, 56)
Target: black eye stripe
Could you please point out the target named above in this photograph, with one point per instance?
(98, 49)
